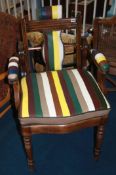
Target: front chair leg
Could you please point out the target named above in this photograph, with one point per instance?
(28, 149)
(99, 133)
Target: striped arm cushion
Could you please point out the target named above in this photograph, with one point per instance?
(53, 50)
(50, 12)
(13, 68)
(100, 60)
(59, 95)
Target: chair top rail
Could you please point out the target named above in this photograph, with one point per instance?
(46, 25)
(108, 21)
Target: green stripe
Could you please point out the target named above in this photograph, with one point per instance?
(38, 108)
(105, 67)
(50, 51)
(72, 93)
(96, 89)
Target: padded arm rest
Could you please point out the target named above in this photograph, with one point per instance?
(13, 69)
(13, 73)
(100, 60)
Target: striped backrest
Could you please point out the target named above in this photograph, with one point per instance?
(53, 50)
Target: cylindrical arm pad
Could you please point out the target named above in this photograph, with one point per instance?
(100, 60)
(13, 68)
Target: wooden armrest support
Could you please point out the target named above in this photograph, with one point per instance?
(84, 42)
(3, 75)
(16, 92)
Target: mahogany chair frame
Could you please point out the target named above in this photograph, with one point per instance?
(28, 130)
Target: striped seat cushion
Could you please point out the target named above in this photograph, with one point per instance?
(56, 96)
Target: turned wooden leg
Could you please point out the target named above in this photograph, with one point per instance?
(26, 136)
(99, 132)
(28, 149)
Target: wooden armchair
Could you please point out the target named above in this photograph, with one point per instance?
(104, 40)
(8, 40)
(58, 100)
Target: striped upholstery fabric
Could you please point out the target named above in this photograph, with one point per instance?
(13, 68)
(53, 50)
(100, 60)
(50, 12)
(59, 95)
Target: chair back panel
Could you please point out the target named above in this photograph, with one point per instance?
(8, 38)
(53, 50)
(54, 26)
(105, 37)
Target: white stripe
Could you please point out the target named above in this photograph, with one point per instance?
(34, 48)
(108, 105)
(12, 76)
(58, 2)
(48, 95)
(61, 49)
(12, 64)
(84, 90)
(99, 55)
(14, 58)
(43, 53)
(59, 11)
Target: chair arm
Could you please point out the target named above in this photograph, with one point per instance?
(13, 78)
(100, 61)
(13, 69)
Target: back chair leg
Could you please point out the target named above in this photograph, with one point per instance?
(99, 133)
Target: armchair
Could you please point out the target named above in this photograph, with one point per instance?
(8, 40)
(58, 100)
(104, 40)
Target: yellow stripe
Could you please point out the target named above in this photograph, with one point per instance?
(57, 65)
(63, 104)
(55, 12)
(100, 59)
(25, 112)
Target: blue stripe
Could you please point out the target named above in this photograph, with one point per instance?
(13, 71)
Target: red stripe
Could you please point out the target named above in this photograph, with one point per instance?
(66, 93)
(54, 94)
(90, 89)
(46, 50)
(30, 96)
